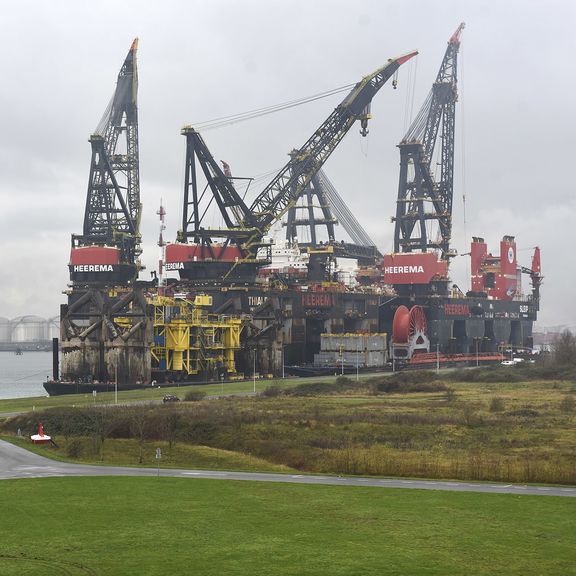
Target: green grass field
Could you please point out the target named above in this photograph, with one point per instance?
(149, 394)
(166, 526)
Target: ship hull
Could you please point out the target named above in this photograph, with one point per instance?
(470, 325)
(60, 388)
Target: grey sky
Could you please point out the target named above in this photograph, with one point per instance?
(204, 59)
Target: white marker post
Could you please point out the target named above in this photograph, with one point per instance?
(158, 456)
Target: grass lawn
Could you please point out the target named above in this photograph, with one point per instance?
(126, 452)
(169, 526)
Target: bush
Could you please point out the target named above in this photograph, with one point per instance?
(524, 413)
(194, 396)
(75, 448)
(408, 381)
(568, 404)
(342, 384)
(409, 377)
(497, 405)
(490, 374)
(272, 391)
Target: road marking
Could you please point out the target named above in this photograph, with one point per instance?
(297, 476)
(543, 488)
(205, 473)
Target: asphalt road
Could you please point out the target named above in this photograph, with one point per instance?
(16, 462)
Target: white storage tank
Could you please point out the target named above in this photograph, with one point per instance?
(5, 330)
(29, 329)
(53, 328)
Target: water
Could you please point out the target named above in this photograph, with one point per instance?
(22, 376)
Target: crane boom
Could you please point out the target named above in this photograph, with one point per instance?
(288, 184)
(108, 248)
(235, 258)
(422, 198)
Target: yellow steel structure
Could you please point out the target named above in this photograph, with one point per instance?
(189, 341)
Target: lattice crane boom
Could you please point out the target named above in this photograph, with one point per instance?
(421, 197)
(288, 184)
(230, 204)
(234, 256)
(113, 209)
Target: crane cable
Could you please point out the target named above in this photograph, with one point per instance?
(410, 94)
(463, 159)
(256, 113)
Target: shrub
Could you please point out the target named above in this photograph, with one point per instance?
(408, 381)
(568, 404)
(450, 395)
(342, 384)
(497, 404)
(75, 448)
(524, 413)
(194, 396)
(272, 391)
(470, 414)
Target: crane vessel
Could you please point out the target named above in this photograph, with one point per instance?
(219, 308)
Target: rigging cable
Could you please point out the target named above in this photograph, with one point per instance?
(463, 160)
(258, 112)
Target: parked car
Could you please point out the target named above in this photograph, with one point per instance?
(170, 398)
(508, 363)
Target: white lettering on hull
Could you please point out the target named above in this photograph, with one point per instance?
(403, 269)
(174, 266)
(93, 268)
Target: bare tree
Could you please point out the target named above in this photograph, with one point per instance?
(102, 420)
(138, 422)
(564, 348)
(169, 425)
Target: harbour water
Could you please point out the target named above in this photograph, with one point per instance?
(22, 375)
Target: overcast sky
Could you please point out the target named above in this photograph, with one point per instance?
(199, 60)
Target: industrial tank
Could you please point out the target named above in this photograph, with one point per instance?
(5, 330)
(29, 329)
(53, 327)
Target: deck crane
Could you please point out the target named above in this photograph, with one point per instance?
(106, 253)
(423, 198)
(105, 326)
(233, 256)
(303, 217)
